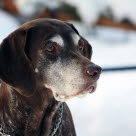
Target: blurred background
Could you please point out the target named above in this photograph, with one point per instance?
(110, 27)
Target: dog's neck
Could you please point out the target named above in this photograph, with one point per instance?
(30, 114)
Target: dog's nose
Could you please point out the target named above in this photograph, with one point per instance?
(94, 71)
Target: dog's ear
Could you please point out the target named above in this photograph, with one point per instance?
(15, 68)
(72, 26)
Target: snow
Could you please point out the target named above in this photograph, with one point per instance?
(7, 24)
(109, 54)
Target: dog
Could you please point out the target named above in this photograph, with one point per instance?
(42, 64)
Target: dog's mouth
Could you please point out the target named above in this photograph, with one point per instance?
(91, 88)
(87, 91)
(84, 92)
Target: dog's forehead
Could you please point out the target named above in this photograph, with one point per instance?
(57, 31)
(59, 39)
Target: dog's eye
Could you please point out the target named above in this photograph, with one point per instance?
(50, 47)
(81, 45)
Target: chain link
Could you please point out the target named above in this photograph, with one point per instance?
(58, 121)
(2, 133)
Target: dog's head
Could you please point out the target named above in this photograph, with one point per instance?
(50, 53)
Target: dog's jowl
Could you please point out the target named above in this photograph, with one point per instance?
(43, 63)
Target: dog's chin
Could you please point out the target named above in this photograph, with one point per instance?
(87, 91)
(90, 89)
(79, 94)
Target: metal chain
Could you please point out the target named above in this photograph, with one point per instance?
(2, 133)
(58, 121)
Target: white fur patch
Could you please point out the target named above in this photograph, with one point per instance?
(58, 39)
(75, 38)
(65, 80)
(36, 70)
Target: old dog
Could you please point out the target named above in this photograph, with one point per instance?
(42, 64)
